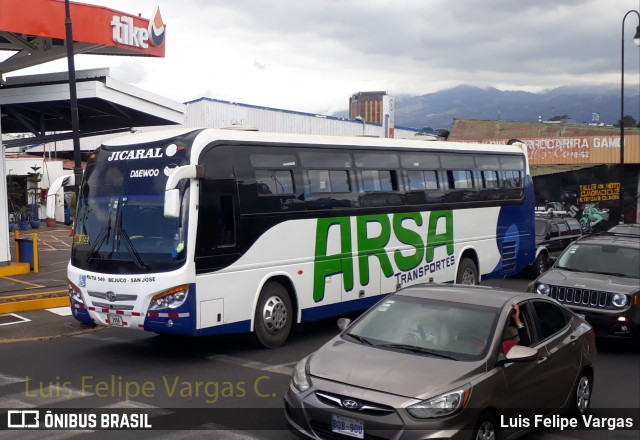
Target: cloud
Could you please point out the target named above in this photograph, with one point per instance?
(311, 56)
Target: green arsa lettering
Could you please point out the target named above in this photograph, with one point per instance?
(401, 226)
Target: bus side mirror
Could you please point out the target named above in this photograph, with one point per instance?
(55, 186)
(172, 194)
(172, 203)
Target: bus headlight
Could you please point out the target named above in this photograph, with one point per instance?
(442, 405)
(170, 299)
(542, 289)
(74, 292)
(619, 300)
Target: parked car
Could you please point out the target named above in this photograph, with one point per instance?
(428, 362)
(598, 277)
(554, 232)
(626, 229)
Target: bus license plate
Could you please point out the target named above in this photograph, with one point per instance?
(115, 320)
(347, 426)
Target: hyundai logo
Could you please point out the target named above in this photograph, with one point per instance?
(350, 404)
(111, 296)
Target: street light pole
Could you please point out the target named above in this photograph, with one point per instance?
(77, 170)
(636, 40)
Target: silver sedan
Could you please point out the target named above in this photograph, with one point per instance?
(435, 362)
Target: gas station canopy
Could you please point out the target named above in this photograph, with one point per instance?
(34, 32)
(39, 104)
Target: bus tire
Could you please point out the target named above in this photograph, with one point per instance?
(467, 272)
(274, 316)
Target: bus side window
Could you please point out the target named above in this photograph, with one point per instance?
(379, 179)
(461, 187)
(327, 176)
(422, 183)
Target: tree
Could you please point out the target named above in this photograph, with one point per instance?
(628, 121)
(560, 118)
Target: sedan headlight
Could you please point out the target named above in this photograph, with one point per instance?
(542, 289)
(442, 405)
(619, 300)
(170, 299)
(300, 379)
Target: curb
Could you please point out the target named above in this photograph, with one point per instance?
(15, 269)
(34, 301)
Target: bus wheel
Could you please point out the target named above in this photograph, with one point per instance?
(467, 272)
(273, 318)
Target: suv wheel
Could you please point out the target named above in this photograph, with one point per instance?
(541, 265)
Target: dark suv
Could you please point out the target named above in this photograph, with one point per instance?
(598, 277)
(554, 232)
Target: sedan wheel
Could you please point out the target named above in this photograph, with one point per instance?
(583, 394)
(486, 429)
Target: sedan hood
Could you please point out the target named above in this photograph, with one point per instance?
(394, 372)
(591, 281)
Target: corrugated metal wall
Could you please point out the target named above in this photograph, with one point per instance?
(218, 114)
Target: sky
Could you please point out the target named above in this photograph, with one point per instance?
(310, 56)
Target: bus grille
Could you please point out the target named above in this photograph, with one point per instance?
(509, 249)
(580, 297)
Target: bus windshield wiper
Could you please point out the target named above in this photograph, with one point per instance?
(415, 349)
(131, 247)
(104, 236)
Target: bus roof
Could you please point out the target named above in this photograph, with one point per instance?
(208, 135)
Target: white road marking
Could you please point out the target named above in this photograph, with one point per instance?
(286, 369)
(19, 319)
(61, 311)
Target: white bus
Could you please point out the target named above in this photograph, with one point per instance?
(201, 232)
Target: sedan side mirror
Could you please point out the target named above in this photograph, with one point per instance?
(343, 323)
(518, 353)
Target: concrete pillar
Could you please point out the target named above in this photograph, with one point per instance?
(5, 250)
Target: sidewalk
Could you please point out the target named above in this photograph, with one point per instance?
(45, 288)
(35, 305)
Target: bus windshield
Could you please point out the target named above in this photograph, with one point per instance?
(120, 225)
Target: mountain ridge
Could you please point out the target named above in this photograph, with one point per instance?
(437, 110)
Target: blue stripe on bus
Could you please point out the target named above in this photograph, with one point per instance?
(339, 308)
(235, 327)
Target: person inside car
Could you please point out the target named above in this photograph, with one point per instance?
(514, 335)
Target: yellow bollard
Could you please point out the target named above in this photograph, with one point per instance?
(35, 252)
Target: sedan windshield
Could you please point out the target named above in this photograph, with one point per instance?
(601, 258)
(428, 327)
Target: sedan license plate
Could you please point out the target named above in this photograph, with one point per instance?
(347, 426)
(115, 320)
